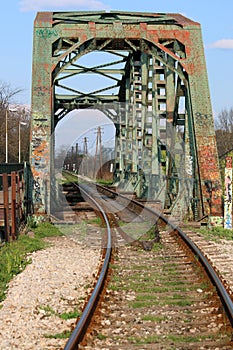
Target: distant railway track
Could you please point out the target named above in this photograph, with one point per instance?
(165, 296)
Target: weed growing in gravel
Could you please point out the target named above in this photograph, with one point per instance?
(48, 310)
(101, 336)
(173, 338)
(154, 318)
(95, 221)
(88, 285)
(64, 316)
(113, 266)
(69, 315)
(63, 335)
(147, 303)
(187, 339)
(157, 247)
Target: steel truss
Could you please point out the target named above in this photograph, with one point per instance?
(156, 94)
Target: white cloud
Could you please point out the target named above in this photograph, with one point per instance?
(42, 5)
(222, 44)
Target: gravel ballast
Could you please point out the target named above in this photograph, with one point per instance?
(58, 281)
(55, 282)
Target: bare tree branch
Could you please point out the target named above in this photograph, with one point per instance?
(6, 94)
(224, 131)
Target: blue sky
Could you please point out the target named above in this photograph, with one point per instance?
(17, 17)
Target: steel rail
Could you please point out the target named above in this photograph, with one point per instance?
(223, 294)
(77, 333)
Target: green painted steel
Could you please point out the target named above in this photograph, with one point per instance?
(165, 146)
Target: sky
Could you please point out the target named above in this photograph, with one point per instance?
(17, 19)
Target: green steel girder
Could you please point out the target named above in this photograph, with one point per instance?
(165, 140)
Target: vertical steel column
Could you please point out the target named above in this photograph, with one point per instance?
(146, 159)
(203, 123)
(155, 170)
(42, 111)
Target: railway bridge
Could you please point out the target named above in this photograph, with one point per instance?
(154, 90)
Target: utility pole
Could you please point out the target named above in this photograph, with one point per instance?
(85, 156)
(72, 158)
(76, 157)
(98, 152)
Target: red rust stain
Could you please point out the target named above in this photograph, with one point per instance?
(44, 17)
(143, 26)
(184, 37)
(83, 37)
(209, 171)
(46, 66)
(92, 26)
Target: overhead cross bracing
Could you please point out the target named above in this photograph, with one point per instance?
(152, 83)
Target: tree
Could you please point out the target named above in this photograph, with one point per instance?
(60, 157)
(13, 116)
(7, 94)
(224, 131)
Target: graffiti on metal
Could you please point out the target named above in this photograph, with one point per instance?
(189, 165)
(46, 33)
(41, 90)
(216, 221)
(37, 191)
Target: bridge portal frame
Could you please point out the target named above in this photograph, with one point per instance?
(61, 37)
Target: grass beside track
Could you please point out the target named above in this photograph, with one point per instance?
(216, 233)
(14, 255)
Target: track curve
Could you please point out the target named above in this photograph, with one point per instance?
(162, 221)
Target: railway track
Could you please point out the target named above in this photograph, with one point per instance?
(159, 300)
(159, 295)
